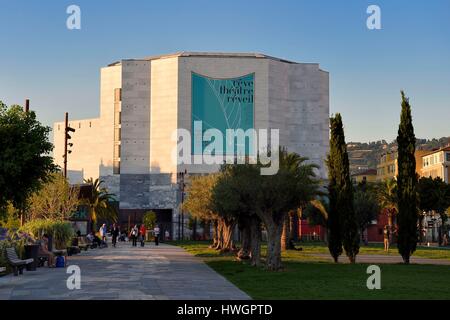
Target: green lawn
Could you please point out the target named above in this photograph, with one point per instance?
(308, 277)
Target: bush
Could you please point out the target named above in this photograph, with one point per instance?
(149, 219)
(61, 231)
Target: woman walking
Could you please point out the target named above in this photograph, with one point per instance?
(133, 235)
(142, 234)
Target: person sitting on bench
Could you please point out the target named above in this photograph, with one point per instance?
(94, 239)
(43, 251)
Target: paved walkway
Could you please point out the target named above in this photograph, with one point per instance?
(378, 258)
(163, 272)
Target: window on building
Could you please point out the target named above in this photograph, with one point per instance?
(116, 167)
(117, 133)
(447, 156)
(117, 95)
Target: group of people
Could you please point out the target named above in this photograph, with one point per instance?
(138, 233)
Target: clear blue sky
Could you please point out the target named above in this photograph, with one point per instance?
(58, 69)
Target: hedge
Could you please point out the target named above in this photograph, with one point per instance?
(61, 231)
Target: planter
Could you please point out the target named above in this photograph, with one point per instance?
(31, 252)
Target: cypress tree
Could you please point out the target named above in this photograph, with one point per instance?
(407, 217)
(342, 224)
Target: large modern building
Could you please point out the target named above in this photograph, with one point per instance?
(143, 102)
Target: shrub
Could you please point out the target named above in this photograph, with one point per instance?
(149, 219)
(61, 231)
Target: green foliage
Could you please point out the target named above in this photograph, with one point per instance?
(342, 226)
(10, 217)
(387, 195)
(434, 195)
(57, 199)
(199, 197)
(316, 212)
(366, 207)
(407, 216)
(149, 219)
(24, 157)
(61, 231)
(100, 202)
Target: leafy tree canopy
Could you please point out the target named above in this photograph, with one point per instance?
(24, 154)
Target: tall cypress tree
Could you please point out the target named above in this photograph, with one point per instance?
(334, 233)
(407, 217)
(342, 224)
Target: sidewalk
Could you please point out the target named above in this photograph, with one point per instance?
(125, 272)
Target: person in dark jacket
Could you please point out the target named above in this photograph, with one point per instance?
(114, 233)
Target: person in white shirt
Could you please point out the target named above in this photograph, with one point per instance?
(156, 232)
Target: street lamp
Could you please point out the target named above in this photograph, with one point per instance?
(181, 185)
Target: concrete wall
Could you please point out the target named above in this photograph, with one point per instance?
(135, 135)
(299, 108)
(92, 151)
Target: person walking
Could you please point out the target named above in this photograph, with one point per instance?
(386, 238)
(156, 232)
(142, 234)
(102, 232)
(114, 233)
(133, 235)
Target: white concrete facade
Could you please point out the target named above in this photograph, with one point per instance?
(155, 100)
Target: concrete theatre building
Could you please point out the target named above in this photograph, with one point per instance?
(144, 101)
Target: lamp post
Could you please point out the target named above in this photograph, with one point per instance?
(181, 185)
(67, 137)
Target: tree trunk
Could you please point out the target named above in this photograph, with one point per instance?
(244, 251)
(227, 234)
(206, 230)
(285, 235)
(274, 230)
(218, 239)
(255, 241)
(194, 230)
(294, 225)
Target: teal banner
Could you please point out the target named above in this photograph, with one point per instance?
(221, 104)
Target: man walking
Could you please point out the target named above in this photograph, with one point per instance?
(156, 232)
(115, 234)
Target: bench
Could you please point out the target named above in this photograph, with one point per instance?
(15, 262)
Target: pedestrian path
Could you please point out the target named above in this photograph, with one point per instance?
(125, 272)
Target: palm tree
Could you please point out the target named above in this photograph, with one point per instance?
(387, 197)
(308, 190)
(100, 202)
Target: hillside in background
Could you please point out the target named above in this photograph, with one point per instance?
(363, 155)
